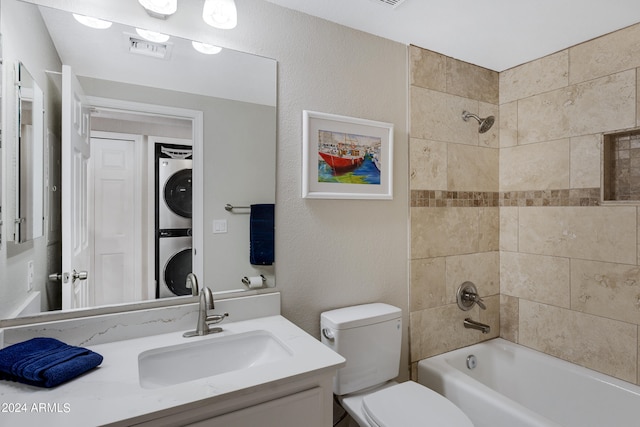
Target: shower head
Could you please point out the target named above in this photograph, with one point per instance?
(485, 124)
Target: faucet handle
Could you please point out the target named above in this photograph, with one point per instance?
(475, 298)
(467, 296)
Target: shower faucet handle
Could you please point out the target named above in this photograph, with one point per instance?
(467, 296)
(475, 298)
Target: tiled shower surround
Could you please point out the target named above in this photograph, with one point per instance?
(517, 210)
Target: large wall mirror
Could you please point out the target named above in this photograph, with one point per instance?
(142, 114)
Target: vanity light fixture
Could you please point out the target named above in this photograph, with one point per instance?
(152, 36)
(89, 21)
(207, 49)
(160, 9)
(220, 14)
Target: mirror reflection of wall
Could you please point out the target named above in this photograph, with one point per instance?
(237, 101)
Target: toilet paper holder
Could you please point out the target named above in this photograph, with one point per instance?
(251, 281)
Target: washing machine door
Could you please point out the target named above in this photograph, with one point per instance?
(177, 193)
(176, 271)
(175, 204)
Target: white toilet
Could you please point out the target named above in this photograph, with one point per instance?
(369, 337)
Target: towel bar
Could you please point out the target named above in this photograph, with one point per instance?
(228, 207)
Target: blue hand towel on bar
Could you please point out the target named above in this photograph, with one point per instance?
(45, 362)
(261, 234)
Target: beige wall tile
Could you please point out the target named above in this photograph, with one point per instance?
(585, 161)
(488, 229)
(535, 77)
(438, 116)
(483, 269)
(509, 124)
(605, 55)
(428, 163)
(472, 168)
(428, 283)
(491, 138)
(599, 234)
(604, 104)
(537, 278)
(509, 318)
(443, 231)
(428, 69)
(471, 81)
(509, 229)
(440, 329)
(540, 166)
(543, 117)
(605, 289)
(605, 345)
(595, 106)
(491, 317)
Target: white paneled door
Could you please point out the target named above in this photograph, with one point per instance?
(116, 212)
(76, 236)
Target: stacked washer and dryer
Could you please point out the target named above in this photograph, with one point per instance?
(174, 209)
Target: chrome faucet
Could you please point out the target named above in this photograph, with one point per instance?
(205, 303)
(472, 324)
(467, 296)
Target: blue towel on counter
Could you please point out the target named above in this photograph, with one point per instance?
(45, 362)
(261, 234)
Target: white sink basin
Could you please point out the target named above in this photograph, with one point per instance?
(164, 366)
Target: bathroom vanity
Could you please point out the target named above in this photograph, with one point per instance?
(260, 370)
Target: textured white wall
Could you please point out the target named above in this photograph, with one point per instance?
(329, 253)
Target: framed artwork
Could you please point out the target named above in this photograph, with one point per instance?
(346, 157)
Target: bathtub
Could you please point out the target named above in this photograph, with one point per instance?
(514, 386)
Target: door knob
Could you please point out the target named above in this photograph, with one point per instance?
(82, 275)
(55, 277)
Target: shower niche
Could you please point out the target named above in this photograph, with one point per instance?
(621, 166)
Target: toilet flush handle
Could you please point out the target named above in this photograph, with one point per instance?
(328, 334)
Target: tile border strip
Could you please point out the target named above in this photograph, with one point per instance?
(561, 197)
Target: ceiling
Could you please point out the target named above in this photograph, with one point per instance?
(495, 34)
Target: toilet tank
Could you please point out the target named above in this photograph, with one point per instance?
(369, 337)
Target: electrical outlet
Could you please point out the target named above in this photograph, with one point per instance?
(30, 274)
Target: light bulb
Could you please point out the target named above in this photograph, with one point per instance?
(89, 21)
(220, 13)
(152, 36)
(163, 8)
(207, 49)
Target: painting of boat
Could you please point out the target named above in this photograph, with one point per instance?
(348, 158)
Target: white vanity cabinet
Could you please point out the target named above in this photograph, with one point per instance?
(279, 406)
(289, 411)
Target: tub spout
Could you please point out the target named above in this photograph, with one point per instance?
(472, 324)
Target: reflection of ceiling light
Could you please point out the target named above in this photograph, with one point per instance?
(220, 13)
(152, 36)
(207, 49)
(92, 22)
(160, 8)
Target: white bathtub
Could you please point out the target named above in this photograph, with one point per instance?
(514, 386)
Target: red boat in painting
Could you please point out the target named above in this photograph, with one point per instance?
(343, 160)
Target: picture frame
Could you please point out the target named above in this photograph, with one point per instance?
(346, 157)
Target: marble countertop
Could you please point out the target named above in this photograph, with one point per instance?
(112, 392)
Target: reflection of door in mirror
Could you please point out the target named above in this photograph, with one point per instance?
(30, 154)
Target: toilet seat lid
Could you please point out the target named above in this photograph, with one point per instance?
(410, 404)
